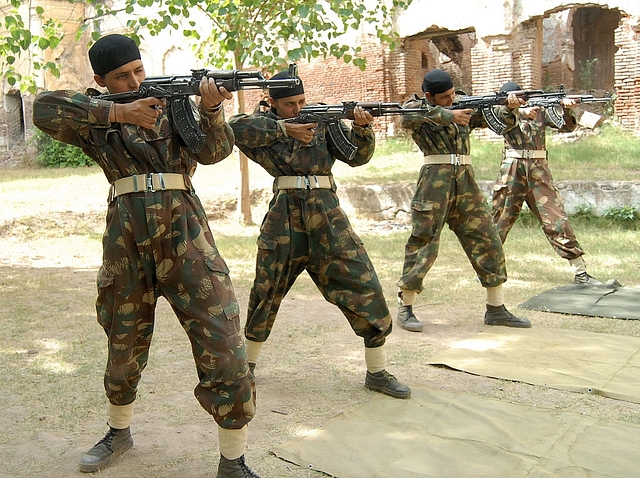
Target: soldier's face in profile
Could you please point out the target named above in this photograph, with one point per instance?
(124, 79)
(442, 99)
(289, 107)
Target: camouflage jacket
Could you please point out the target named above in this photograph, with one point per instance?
(530, 134)
(124, 149)
(263, 138)
(435, 133)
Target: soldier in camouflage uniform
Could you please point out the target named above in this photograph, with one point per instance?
(447, 193)
(157, 243)
(525, 177)
(306, 229)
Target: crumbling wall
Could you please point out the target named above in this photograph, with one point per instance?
(627, 72)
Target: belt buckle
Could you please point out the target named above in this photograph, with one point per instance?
(455, 159)
(315, 178)
(528, 154)
(149, 181)
(306, 182)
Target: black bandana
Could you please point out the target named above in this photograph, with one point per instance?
(509, 86)
(436, 81)
(277, 93)
(111, 52)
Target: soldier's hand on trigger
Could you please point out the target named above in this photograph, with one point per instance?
(514, 101)
(303, 132)
(462, 117)
(529, 113)
(210, 95)
(143, 112)
(361, 117)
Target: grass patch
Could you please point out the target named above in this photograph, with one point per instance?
(45, 174)
(609, 155)
(611, 250)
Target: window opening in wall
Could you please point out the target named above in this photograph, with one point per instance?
(425, 62)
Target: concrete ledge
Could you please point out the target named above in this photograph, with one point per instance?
(393, 201)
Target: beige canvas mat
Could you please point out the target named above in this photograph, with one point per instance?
(441, 434)
(574, 360)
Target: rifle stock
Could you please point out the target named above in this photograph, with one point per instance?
(177, 89)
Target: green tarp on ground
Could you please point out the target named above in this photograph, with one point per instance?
(442, 434)
(607, 300)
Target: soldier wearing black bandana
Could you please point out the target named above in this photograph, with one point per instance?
(447, 194)
(157, 242)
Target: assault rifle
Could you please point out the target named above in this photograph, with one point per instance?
(332, 114)
(486, 102)
(177, 89)
(549, 101)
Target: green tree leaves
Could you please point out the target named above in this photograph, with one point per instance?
(21, 49)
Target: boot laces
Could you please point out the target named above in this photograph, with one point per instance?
(108, 439)
(246, 471)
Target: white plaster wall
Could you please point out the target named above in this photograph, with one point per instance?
(490, 17)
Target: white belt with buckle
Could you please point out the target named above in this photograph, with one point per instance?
(302, 182)
(151, 182)
(455, 159)
(526, 153)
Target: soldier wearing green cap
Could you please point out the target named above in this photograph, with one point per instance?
(447, 194)
(157, 242)
(305, 228)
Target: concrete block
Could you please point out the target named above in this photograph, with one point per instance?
(590, 120)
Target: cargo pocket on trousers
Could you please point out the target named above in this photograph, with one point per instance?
(422, 218)
(104, 302)
(362, 253)
(267, 260)
(221, 283)
(267, 243)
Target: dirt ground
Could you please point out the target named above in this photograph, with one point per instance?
(311, 369)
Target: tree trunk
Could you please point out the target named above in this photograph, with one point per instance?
(244, 193)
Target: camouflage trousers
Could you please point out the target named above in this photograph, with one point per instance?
(159, 244)
(307, 230)
(448, 194)
(530, 181)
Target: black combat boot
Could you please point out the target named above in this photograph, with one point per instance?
(586, 279)
(234, 469)
(114, 444)
(386, 383)
(501, 316)
(407, 320)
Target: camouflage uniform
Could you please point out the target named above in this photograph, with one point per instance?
(158, 244)
(449, 194)
(306, 229)
(529, 180)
